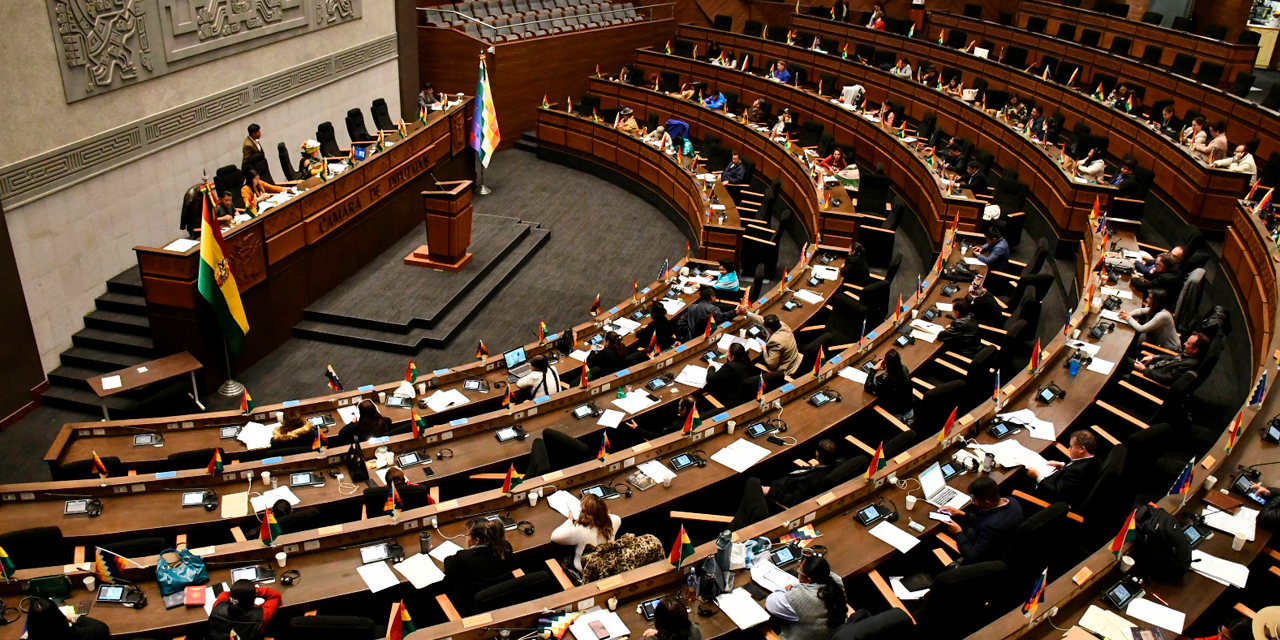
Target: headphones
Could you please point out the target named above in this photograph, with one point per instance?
(134, 598)
(701, 460)
(626, 488)
(210, 500)
(525, 527)
(4, 614)
(291, 577)
(395, 551)
(95, 510)
(441, 456)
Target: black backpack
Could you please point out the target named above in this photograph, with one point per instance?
(1161, 551)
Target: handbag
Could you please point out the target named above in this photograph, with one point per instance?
(188, 570)
(52, 587)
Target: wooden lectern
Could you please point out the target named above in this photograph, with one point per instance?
(448, 214)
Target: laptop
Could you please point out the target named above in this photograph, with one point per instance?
(517, 364)
(936, 492)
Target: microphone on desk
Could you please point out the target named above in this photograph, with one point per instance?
(1251, 472)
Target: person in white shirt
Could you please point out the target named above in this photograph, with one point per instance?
(594, 526)
(903, 69)
(542, 380)
(1242, 161)
(1092, 164)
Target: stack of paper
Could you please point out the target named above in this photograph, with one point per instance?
(1119, 293)
(1091, 349)
(635, 402)
(255, 436)
(693, 376)
(1157, 614)
(1098, 365)
(1222, 571)
(566, 503)
(728, 339)
(1106, 623)
(1040, 429)
(672, 305)
(349, 414)
(625, 325)
(927, 327)
(613, 625)
(854, 373)
(443, 550)
(741, 609)
(894, 536)
(580, 355)
(1243, 522)
(610, 418)
(826, 273)
(441, 400)
(740, 455)
(181, 245)
(765, 574)
(656, 470)
(269, 498)
(420, 571)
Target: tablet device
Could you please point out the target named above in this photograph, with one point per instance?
(951, 470)
(76, 507)
(681, 461)
(1000, 430)
(601, 491)
(871, 514)
(1241, 485)
(1120, 595)
(1047, 395)
(374, 553)
(321, 420)
(784, 556)
(790, 305)
(475, 385)
(820, 398)
(869, 365)
(508, 433)
(255, 573)
(306, 479)
(649, 608)
(147, 440)
(582, 411)
(655, 384)
(1195, 534)
(411, 458)
(193, 498)
(399, 402)
(227, 433)
(760, 428)
(110, 593)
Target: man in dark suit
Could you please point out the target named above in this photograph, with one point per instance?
(1164, 275)
(1166, 369)
(1124, 182)
(802, 484)
(627, 76)
(725, 385)
(961, 336)
(695, 317)
(735, 172)
(986, 310)
(984, 530)
(1074, 479)
(856, 271)
(956, 160)
(975, 179)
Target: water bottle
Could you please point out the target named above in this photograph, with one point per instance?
(691, 590)
(1074, 366)
(724, 549)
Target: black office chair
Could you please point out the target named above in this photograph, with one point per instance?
(230, 179)
(1036, 24)
(412, 495)
(197, 459)
(83, 469)
(887, 625)
(957, 39)
(752, 28)
(873, 195)
(668, 82)
(1269, 174)
(36, 547)
(1006, 18)
(803, 39)
(957, 602)
(304, 519)
(1151, 55)
(777, 33)
(722, 22)
(1066, 31)
(1037, 543)
(810, 131)
(286, 165)
(381, 117)
(1016, 57)
(328, 142)
(1215, 31)
(1210, 73)
(345, 627)
(973, 11)
(752, 508)
(1151, 17)
(1121, 46)
(1243, 84)
(563, 450)
(1248, 37)
(1108, 502)
(1183, 64)
(138, 547)
(356, 128)
(682, 47)
(514, 591)
(1181, 23)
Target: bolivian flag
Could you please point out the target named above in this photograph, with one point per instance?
(98, 467)
(595, 306)
(877, 462)
(1127, 533)
(682, 549)
(512, 480)
(215, 465)
(691, 422)
(218, 285)
(400, 624)
(6, 565)
(946, 428)
(542, 330)
(246, 402)
(270, 528)
(411, 372)
(417, 423)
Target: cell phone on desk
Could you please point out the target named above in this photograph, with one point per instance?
(227, 433)
(939, 516)
(649, 608)
(760, 428)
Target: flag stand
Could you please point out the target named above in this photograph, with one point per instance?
(230, 387)
(484, 189)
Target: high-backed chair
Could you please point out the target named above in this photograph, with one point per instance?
(957, 602)
(722, 22)
(1016, 57)
(286, 164)
(1215, 31)
(1090, 37)
(1151, 54)
(514, 591)
(1151, 17)
(345, 627)
(1183, 64)
(887, 625)
(563, 450)
(752, 28)
(1066, 31)
(1120, 46)
(973, 11)
(1242, 85)
(356, 128)
(381, 117)
(328, 141)
(83, 470)
(1036, 24)
(36, 547)
(1210, 73)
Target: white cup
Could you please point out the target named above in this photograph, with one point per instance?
(732, 425)
(90, 583)
(533, 498)
(915, 313)
(1126, 563)
(279, 415)
(1209, 481)
(613, 604)
(1075, 335)
(266, 477)
(382, 397)
(911, 502)
(666, 482)
(282, 559)
(422, 388)
(1238, 543)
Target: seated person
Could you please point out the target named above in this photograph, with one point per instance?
(686, 92)
(1241, 161)
(1124, 181)
(877, 18)
(955, 161)
(780, 350)
(427, 98)
(1167, 123)
(891, 384)
(984, 529)
(542, 379)
(995, 253)
(856, 271)
(728, 278)
(1014, 112)
(659, 137)
(1144, 267)
(1269, 517)
(694, 323)
(593, 526)
(755, 115)
(605, 358)
(236, 613)
(659, 325)
(1119, 97)
(784, 126)
(984, 307)
(961, 336)
(1163, 275)
(1160, 328)
(225, 212)
(725, 383)
(929, 76)
(1196, 133)
(779, 72)
(311, 163)
(484, 563)
(902, 69)
(954, 87)
(886, 115)
(975, 180)
(805, 482)
(1092, 164)
(683, 408)
(735, 172)
(1235, 628)
(1038, 126)
(1166, 369)
(627, 76)
(1216, 147)
(294, 431)
(45, 621)
(627, 121)
(1074, 479)
(836, 162)
(815, 608)
(714, 101)
(255, 189)
(370, 424)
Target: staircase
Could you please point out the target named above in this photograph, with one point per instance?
(116, 334)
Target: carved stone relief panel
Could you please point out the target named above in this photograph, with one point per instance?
(105, 45)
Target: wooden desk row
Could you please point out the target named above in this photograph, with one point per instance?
(1245, 118)
(908, 172)
(1200, 194)
(1234, 57)
(1065, 201)
(294, 253)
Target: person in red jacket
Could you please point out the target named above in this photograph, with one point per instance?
(236, 610)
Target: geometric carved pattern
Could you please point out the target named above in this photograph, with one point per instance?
(104, 45)
(46, 173)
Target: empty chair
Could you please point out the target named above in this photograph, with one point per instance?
(356, 128)
(346, 627)
(1183, 24)
(894, 623)
(1036, 24)
(1120, 46)
(1090, 37)
(864, 52)
(1152, 54)
(957, 39)
(1215, 31)
(777, 33)
(1067, 31)
(514, 591)
(957, 602)
(381, 118)
(752, 28)
(1016, 57)
(1006, 18)
(1248, 37)
(1242, 85)
(682, 47)
(973, 11)
(1183, 64)
(286, 164)
(1151, 17)
(1210, 73)
(36, 547)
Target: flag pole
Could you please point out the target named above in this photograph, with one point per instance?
(484, 189)
(230, 387)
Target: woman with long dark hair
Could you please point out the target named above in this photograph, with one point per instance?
(45, 621)
(659, 325)
(891, 384)
(671, 621)
(1160, 327)
(370, 424)
(813, 609)
(608, 357)
(237, 611)
(485, 562)
(593, 526)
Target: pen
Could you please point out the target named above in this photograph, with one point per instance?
(1153, 595)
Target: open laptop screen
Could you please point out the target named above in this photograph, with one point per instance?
(514, 357)
(931, 481)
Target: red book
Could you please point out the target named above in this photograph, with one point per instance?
(194, 597)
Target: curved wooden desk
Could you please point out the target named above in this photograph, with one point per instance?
(1200, 194)
(1245, 118)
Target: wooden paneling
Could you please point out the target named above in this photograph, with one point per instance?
(521, 72)
(23, 370)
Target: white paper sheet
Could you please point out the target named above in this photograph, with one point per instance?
(972, 261)
(627, 323)
(1101, 366)
(349, 414)
(111, 382)
(255, 435)
(1157, 614)
(610, 418)
(894, 536)
(925, 326)
(613, 625)
(740, 455)
(182, 245)
(765, 574)
(922, 335)
(742, 609)
(1106, 623)
(1011, 453)
(635, 402)
(1215, 568)
(444, 550)
(269, 498)
(944, 306)
(693, 376)
(580, 355)
(902, 592)
(420, 571)
(443, 399)
(1119, 293)
(566, 503)
(1244, 521)
(656, 470)
(1091, 349)
(1037, 428)
(673, 305)
(853, 373)
(825, 272)
(727, 340)
(1108, 314)
(809, 296)
(377, 576)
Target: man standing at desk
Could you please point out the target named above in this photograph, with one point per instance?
(696, 316)
(251, 144)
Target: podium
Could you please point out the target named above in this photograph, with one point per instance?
(448, 220)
